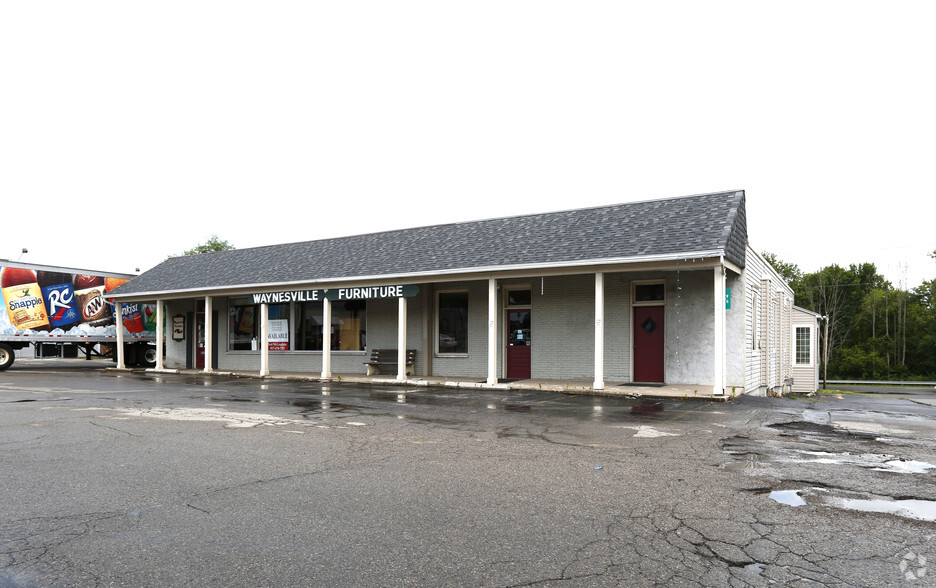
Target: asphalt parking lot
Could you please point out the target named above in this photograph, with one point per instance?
(137, 479)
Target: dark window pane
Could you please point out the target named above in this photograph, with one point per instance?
(242, 327)
(519, 298)
(520, 333)
(649, 292)
(453, 322)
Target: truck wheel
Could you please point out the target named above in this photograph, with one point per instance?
(148, 356)
(6, 356)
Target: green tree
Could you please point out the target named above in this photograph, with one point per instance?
(790, 272)
(874, 330)
(213, 244)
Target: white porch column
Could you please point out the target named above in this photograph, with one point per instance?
(492, 331)
(264, 340)
(599, 332)
(118, 313)
(209, 339)
(401, 341)
(718, 373)
(326, 338)
(160, 334)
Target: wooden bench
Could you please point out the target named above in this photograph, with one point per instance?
(381, 358)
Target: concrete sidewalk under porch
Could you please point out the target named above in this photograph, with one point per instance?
(695, 392)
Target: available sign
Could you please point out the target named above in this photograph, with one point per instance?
(334, 294)
(279, 335)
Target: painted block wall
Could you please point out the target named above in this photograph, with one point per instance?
(383, 327)
(690, 333)
(563, 327)
(176, 350)
(735, 321)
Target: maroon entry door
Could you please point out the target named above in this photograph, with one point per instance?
(519, 345)
(200, 341)
(648, 344)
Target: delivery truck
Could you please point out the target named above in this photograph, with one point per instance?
(64, 312)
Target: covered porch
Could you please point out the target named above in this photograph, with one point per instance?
(574, 386)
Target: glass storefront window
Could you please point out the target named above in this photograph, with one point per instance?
(453, 322)
(348, 328)
(244, 324)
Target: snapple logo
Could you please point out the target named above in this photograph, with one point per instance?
(24, 304)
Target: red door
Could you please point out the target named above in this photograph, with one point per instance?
(200, 341)
(519, 345)
(648, 344)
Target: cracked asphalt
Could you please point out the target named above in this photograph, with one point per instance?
(134, 479)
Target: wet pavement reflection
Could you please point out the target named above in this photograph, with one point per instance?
(338, 400)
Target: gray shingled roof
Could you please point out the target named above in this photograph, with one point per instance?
(704, 223)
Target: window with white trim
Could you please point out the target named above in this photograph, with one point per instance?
(755, 319)
(648, 293)
(802, 345)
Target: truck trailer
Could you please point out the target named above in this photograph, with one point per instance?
(63, 311)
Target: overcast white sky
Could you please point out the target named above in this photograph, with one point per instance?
(130, 131)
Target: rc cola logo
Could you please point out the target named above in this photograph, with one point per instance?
(59, 297)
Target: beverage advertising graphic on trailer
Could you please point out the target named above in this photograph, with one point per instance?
(63, 303)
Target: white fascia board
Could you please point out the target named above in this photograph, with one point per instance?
(64, 270)
(807, 311)
(423, 277)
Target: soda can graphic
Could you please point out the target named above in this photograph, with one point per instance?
(132, 318)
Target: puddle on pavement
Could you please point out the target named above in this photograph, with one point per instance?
(517, 407)
(910, 508)
(923, 510)
(754, 454)
(309, 406)
(651, 408)
(788, 497)
(875, 461)
(749, 461)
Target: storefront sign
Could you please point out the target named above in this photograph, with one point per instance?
(334, 294)
(178, 328)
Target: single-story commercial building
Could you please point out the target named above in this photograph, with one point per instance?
(660, 292)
